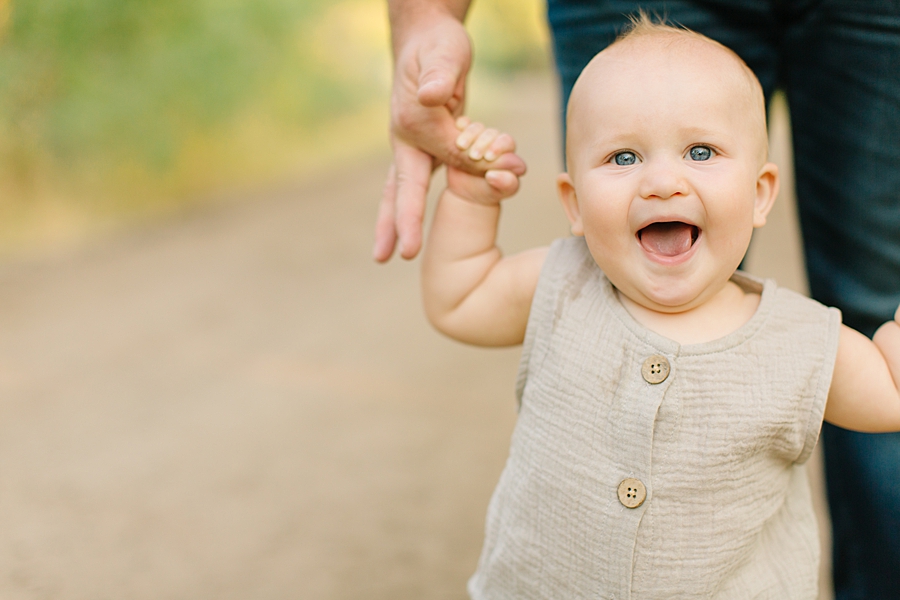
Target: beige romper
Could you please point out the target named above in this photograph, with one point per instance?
(717, 448)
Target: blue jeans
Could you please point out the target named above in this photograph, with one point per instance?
(839, 64)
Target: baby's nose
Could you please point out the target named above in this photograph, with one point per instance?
(663, 178)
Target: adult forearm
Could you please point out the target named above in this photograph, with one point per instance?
(409, 16)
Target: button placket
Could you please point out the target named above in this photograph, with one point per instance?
(631, 491)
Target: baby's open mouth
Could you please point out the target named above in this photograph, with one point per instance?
(669, 238)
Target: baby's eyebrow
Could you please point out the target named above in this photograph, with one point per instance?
(700, 132)
(615, 141)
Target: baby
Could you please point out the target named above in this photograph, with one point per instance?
(667, 402)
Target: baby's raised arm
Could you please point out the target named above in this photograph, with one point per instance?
(864, 388)
(471, 291)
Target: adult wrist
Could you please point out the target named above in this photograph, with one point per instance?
(409, 18)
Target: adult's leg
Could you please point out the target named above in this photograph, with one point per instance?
(842, 76)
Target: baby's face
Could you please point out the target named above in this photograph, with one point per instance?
(667, 174)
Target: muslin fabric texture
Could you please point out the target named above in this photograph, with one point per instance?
(719, 445)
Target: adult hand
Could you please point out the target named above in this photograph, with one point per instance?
(432, 61)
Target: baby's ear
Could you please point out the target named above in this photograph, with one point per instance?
(767, 184)
(569, 200)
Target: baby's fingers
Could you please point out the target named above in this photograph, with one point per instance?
(484, 141)
(488, 190)
(480, 143)
(502, 144)
(504, 183)
(469, 134)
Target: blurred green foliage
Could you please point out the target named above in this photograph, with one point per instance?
(152, 100)
(128, 79)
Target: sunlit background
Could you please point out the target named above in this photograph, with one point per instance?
(208, 389)
(118, 110)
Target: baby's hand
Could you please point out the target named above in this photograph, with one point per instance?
(483, 145)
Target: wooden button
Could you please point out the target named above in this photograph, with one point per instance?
(632, 492)
(655, 369)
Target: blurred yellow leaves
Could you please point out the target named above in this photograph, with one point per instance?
(509, 34)
(4, 16)
(139, 107)
(351, 40)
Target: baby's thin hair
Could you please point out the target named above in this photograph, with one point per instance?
(642, 23)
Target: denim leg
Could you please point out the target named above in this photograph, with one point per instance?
(863, 495)
(842, 77)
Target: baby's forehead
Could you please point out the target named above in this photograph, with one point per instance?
(670, 62)
(630, 60)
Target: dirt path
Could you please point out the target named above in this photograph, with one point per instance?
(241, 405)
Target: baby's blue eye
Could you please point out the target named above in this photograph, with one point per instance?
(625, 158)
(701, 153)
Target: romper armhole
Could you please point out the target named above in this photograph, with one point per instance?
(832, 332)
(542, 306)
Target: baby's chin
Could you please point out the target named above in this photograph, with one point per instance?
(679, 296)
(662, 288)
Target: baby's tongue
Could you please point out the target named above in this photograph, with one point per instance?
(668, 239)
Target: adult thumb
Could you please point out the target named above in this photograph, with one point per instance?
(441, 66)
